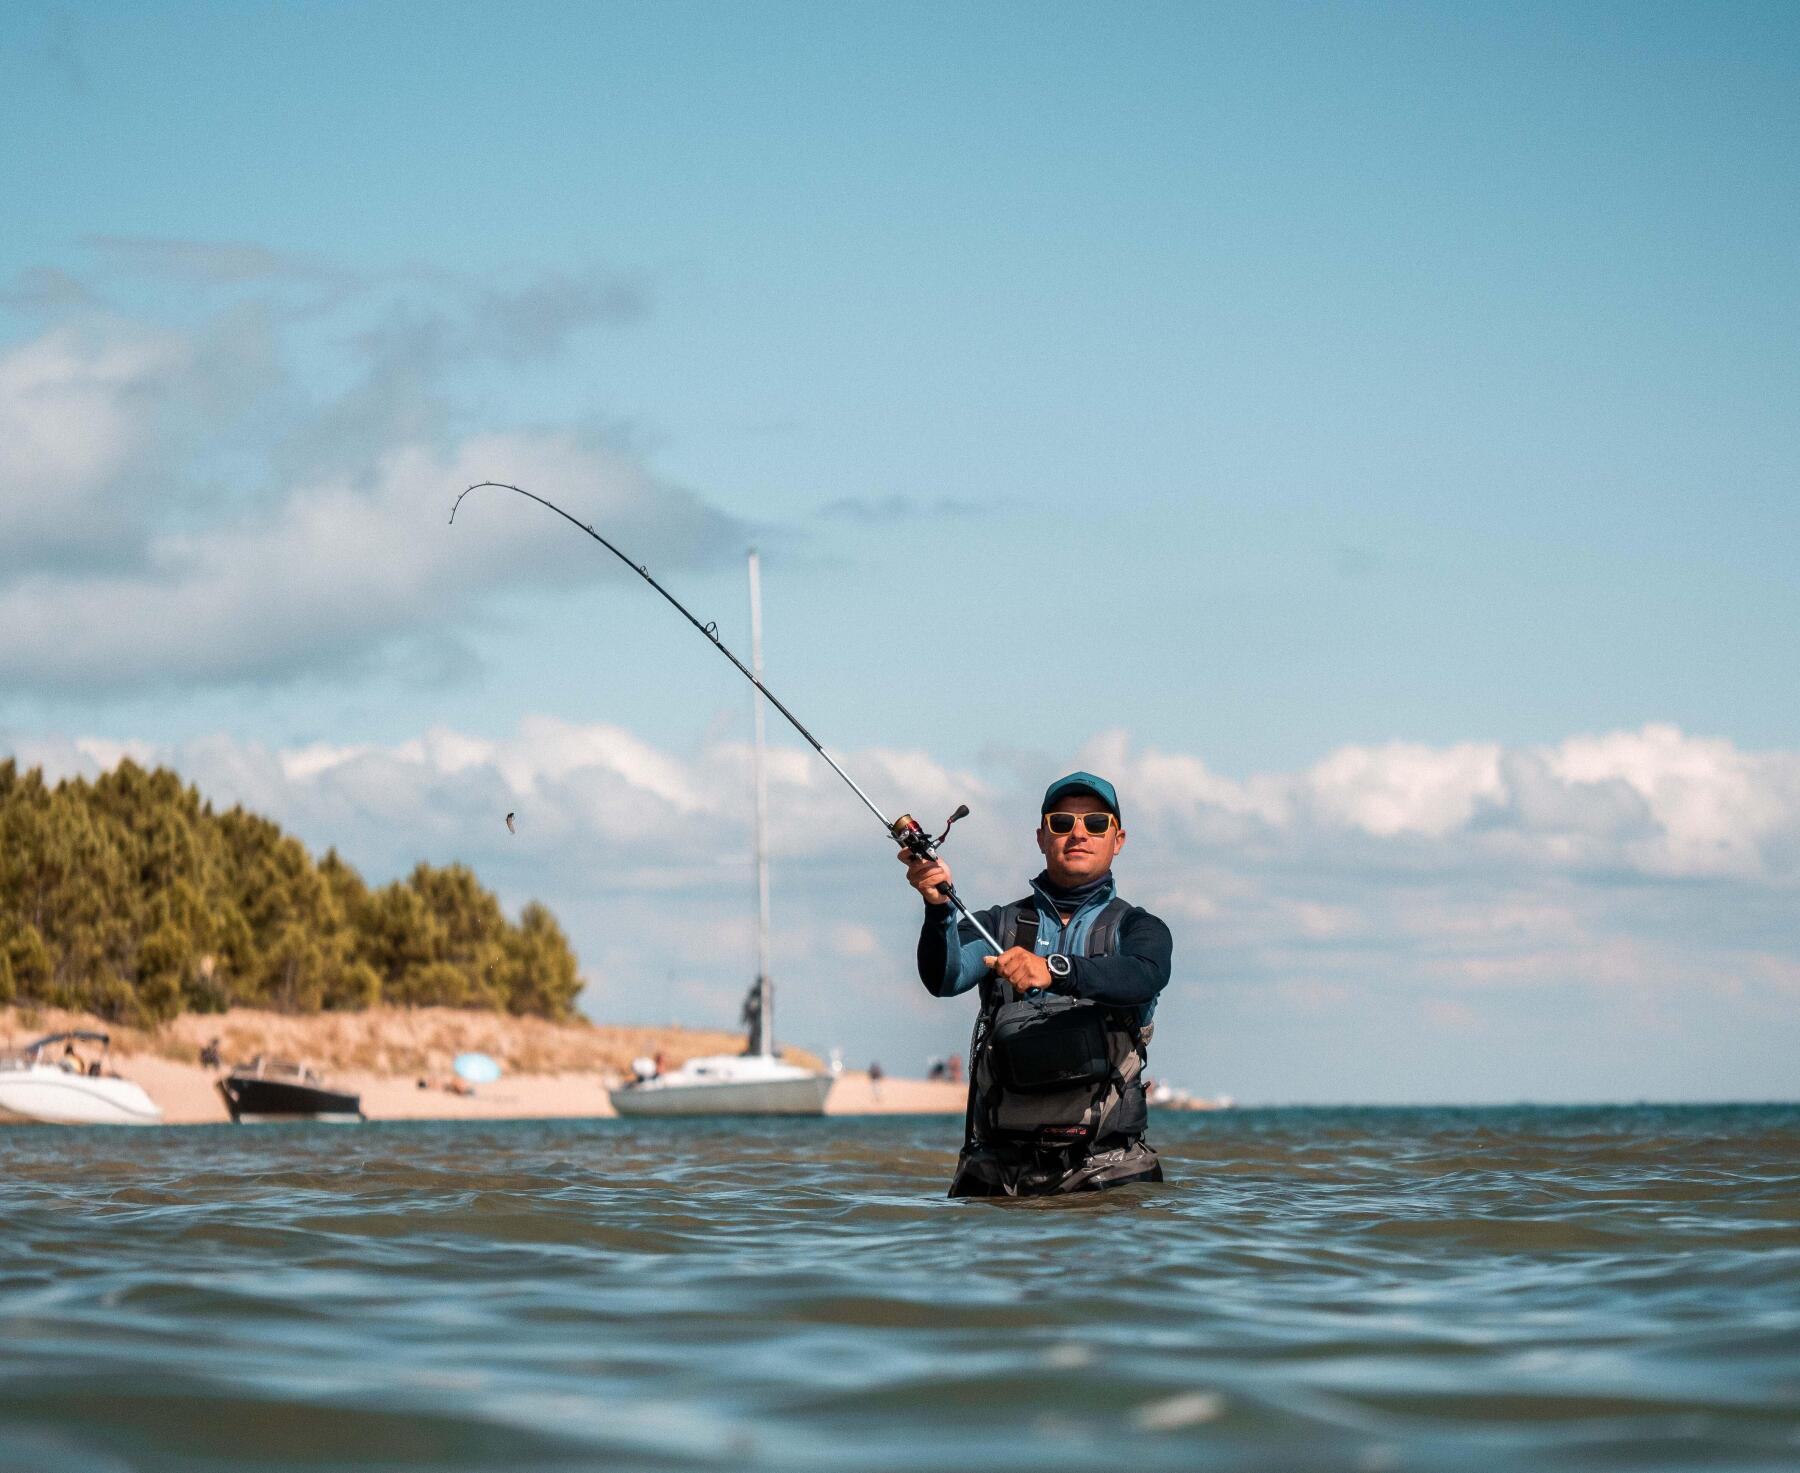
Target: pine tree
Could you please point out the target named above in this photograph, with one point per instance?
(131, 897)
(540, 968)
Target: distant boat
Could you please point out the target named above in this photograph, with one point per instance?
(270, 1091)
(754, 1082)
(37, 1086)
(1168, 1097)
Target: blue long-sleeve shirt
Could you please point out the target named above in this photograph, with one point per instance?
(951, 953)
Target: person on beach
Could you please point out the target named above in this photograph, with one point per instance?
(1056, 1066)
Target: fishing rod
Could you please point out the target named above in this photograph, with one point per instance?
(904, 830)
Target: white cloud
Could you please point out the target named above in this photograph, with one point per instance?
(1319, 922)
(850, 940)
(338, 569)
(74, 411)
(1405, 788)
(1717, 811)
(1654, 802)
(102, 421)
(185, 506)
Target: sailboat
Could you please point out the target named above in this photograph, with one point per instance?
(754, 1082)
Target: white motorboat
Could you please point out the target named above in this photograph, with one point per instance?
(38, 1084)
(754, 1082)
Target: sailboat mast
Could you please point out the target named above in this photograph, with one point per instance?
(765, 991)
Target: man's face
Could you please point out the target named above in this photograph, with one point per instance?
(1077, 857)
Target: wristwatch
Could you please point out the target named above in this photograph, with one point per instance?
(1061, 968)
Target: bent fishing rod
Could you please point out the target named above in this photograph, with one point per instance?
(905, 830)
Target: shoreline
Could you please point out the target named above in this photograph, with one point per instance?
(551, 1070)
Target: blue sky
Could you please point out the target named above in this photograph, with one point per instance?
(1261, 383)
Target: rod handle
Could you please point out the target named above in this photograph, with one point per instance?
(949, 893)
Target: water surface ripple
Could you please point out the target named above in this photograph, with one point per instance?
(1334, 1289)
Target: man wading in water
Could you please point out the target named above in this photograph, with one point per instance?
(1056, 1074)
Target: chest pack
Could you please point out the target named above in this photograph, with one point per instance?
(1052, 1071)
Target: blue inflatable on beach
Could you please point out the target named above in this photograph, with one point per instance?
(476, 1068)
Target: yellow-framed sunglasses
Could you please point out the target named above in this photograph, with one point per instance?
(1095, 823)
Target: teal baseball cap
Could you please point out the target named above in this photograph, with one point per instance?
(1082, 782)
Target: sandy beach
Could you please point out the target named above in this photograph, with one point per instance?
(551, 1070)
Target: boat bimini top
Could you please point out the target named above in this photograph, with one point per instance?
(34, 1053)
(80, 1035)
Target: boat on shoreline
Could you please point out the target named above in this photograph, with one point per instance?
(727, 1084)
(40, 1088)
(271, 1091)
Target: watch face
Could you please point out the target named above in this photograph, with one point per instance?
(1059, 965)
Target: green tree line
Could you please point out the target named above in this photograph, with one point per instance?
(130, 897)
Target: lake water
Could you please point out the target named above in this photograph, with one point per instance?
(1365, 1290)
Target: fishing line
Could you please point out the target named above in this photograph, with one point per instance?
(905, 829)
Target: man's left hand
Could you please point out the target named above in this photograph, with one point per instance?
(1021, 969)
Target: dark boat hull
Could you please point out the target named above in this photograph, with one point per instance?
(252, 1101)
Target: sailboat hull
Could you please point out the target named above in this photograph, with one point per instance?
(681, 1094)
